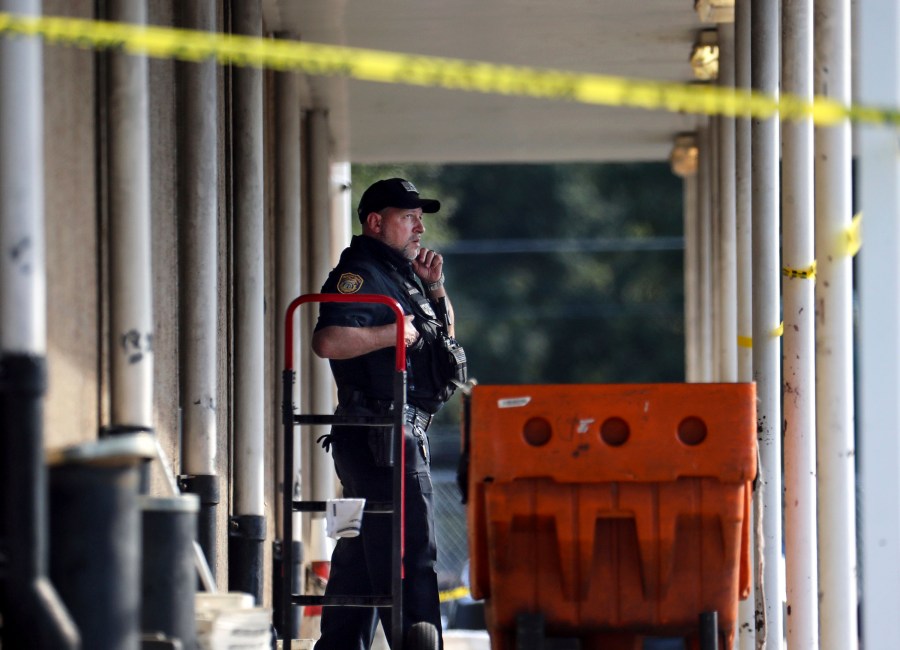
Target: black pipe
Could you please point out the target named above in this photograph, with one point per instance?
(205, 486)
(168, 578)
(246, 534)
(33, 614)
(111, 430)
(709, 630)
(295, 576)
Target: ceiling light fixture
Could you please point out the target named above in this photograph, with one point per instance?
(685, 155)
(705, 55)
(715, 11)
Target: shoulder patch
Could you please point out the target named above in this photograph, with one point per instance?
(349, 283)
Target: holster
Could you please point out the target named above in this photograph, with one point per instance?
(379, 445)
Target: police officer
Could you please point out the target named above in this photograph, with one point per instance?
(359, 340)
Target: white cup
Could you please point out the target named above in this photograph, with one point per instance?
(343, 517)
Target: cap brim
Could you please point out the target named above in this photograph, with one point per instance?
(429, 205)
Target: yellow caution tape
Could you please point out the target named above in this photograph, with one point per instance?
(851, 238)
(809, 273)
(457, 74)
(454, 594)
(747, 341)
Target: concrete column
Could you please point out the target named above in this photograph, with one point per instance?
(744, 261)
(322, 395)
(131, 299)
(320, 252)
(834, 336)
(797, 285)
(767, 311)
(287, 287)
(248, 507)
(198, 270)
(879, 338)
(287, 218)
(23, 274)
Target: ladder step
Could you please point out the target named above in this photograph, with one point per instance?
(372, 507)
(360, 420)
(346, 601)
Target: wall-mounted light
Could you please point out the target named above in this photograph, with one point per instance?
(715, 11)
(705, 55)
(685, 155)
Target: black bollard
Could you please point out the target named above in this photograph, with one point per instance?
(95, 527)
(169, 576)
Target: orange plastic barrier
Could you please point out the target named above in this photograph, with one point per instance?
(613, 510)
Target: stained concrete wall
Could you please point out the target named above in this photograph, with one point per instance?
(73, 273)
(78, 399)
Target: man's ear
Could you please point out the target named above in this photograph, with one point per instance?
(373, 222)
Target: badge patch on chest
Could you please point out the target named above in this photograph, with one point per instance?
(349, 283)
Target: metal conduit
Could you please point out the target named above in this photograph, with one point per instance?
(131, 291)
(32, 611)
(834, 336)
(766, 309)
(197, 132)
(727, 269)
(744, 262)
(802, 621)
(247, 526)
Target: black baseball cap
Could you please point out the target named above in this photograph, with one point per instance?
(393, 193)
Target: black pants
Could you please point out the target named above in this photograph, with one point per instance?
(362, 565)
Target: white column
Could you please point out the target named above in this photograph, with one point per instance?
(797, 283)
(23, 274)
(198, 243)
(743, 177)
(834, 337)
(131, 299)
(342, 213)
(879, 294)
(715, 247)
(726, 274)
(704, 241)
(691, 273)
(321, 382)
(287, 281)
(744, 260)
(249, 297)
(766, 308)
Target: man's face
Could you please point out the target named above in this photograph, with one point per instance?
(402, 230)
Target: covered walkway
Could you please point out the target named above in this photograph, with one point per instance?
(157, 216)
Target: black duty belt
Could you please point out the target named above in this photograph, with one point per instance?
(411, 414)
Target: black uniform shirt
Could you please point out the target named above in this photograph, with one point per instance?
(368, 266)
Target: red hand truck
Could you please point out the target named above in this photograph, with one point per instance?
(395, 421)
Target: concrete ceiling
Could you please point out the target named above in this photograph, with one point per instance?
(372, 122)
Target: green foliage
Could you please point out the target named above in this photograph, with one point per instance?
(556, 314)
